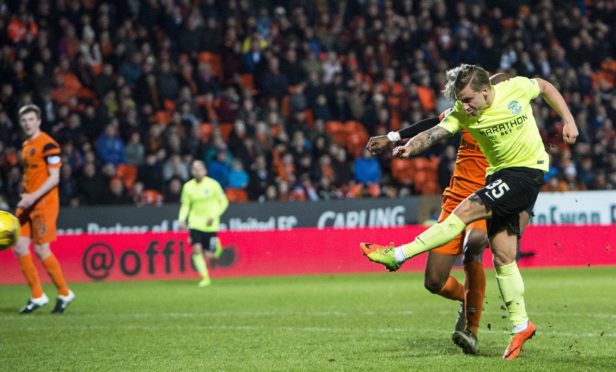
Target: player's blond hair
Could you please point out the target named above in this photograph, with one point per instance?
(30, 108)
(459, 77)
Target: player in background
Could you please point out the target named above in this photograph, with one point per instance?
(203, 201)
(37, 211)
(500, 118)
(468, 176)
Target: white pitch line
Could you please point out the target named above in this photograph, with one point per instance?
(541, 332)
(223, 314)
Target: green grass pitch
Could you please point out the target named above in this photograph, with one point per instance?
(371, 322)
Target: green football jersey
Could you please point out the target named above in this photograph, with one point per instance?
(506, 131)
(202, 201)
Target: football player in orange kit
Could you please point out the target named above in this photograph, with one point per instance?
(38, 209)
(468, 176)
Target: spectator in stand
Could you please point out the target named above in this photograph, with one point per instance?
(175, 167)
(367, 169)
(275, 83)
(135, 150)
(219, 168)
(110, 147)
(446, 165)
(90, 186)
(117, 193)
(271, 194)
(238, 178)
(151, 173)
(68, 187)
(342, 168)
(259, 178)
(254, 53)
(173, 191)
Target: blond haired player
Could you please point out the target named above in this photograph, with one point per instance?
(468, 175)
(38, 209)
(500, 118)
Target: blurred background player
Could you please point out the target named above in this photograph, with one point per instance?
(38, 209)
(468, 176)
(203, 201)
(501, 119)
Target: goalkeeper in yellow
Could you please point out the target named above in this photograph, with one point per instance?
(203, 201)
(500, 118)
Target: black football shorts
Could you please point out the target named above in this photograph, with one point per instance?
(509, 192)
(206, 239)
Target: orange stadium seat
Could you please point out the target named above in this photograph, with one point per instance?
(434, 162)
(431, 175)
(336, 131)
(402, 171)
(214, 60)
(169, 105)
(225, 130)
(356, 191)
(163, 117)
(429, 188)
(236, 195)
(152, 197)
(247, 80)
(420, 164)
(374, 189)
(309, 118)
(206, 131)
(127, 173)
(356, 137)
(285, 106)
(355, 143)
(427, 98)
(420, 177)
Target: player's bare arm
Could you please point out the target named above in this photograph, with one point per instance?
(553, 97)
(27, 200)
(377, 144)
(421, 142)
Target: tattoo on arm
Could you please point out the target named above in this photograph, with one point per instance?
(426, 139)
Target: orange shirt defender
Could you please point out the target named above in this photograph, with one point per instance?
(38, 155)
(469, 175)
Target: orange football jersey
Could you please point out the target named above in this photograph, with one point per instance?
(38, 155)
(469, 173)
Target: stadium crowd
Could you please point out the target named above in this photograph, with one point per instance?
(280, 97)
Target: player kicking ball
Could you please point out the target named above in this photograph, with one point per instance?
(468, 175)
(501, 120)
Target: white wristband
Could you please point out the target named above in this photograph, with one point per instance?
(394, 136)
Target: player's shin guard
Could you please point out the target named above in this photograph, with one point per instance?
(200, 265)
(435, 236)
(32, 278)
(511, 288)
(54, 271)
(475, 289)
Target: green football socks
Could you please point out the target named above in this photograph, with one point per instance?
(435, 236)
(511, 288)
(200, 265)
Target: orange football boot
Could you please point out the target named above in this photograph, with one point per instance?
(518, 340)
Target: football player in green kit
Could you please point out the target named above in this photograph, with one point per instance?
(203, 201)
(500, 118)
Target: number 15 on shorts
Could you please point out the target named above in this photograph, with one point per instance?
(497, 189)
